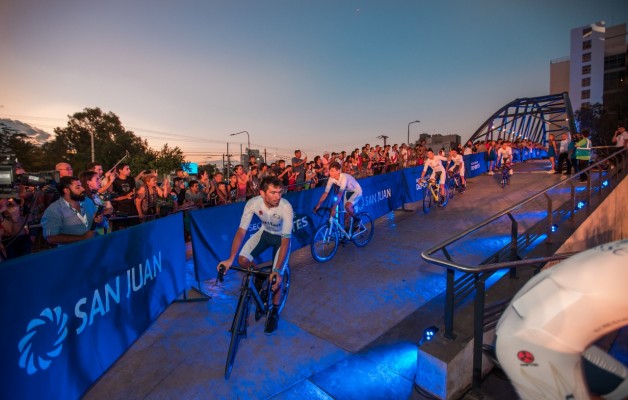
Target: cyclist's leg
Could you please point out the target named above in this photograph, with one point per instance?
(276, 244)
(462, 180)
(251, 249)
(352, 201)
(441, 183)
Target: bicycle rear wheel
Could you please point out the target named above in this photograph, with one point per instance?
(238, 330)
(428, 200)
(364, 231)
(324, 243)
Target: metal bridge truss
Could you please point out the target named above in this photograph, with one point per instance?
(532, 118)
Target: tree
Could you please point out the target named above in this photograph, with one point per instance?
(112, 142)
(602, 120)
(14, 144)
(168, 159)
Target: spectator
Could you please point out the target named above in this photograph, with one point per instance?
(491, 156)
(91, 183)
(106, 180)
(123, 203)
(232, 189)
(326, 161)
(563, 154)
(178, 191)
(243, 181)
(147, 197)
(551, 153)
(263, 171)
(252, 188)
(64, 169)
(310, 175)
(69, 219)
(221, 193)
(620, 137)
(583, 154)
(298, 167)
(468, 148)
(194, 195)
(16, 241)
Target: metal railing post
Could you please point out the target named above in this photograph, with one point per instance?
(550, 221)
(449, 305)
(478, 333)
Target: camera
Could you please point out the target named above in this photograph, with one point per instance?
(12, 176)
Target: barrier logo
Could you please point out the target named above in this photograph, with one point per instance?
(43, 340)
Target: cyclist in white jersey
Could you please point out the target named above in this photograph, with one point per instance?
(347, 184)
(276, 215)
(504, 155)
(458, 163)
(436, 164)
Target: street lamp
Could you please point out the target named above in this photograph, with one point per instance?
(248, 139)
(413, 122)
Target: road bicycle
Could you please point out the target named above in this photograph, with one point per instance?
(454, 183)
(505, 178)
(431, 194)
(256, 286)
(331, 233)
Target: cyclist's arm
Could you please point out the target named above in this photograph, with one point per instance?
(282, 255)
(325, 194)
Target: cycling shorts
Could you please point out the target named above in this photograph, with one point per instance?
(439, 176)
(260, 242)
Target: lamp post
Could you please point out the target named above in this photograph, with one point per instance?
(413, 122)
(248, 140)
(93, 158)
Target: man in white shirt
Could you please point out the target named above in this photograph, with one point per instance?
(348, 186)
(620, 138)
(435, 163)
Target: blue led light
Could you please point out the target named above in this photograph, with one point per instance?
(554, 228)
(605, 184)
(428, 334)
(580, 205)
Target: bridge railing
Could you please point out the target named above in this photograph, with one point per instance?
(558, 203)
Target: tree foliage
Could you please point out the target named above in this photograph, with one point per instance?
(15, 145)
(112, 142)
(602, 120)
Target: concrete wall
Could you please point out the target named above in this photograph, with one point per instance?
(608, 223)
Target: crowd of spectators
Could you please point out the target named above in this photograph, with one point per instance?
(97, 202)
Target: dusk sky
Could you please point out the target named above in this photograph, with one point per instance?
(315, 75)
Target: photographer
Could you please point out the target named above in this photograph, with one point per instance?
(15, 238)
(70, 218)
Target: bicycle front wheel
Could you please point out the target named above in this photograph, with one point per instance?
(285, 288)
(238, 330)
(428, 200)
(364, 231)
(324, 243)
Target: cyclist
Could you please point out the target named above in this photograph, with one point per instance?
(504, 156)
(276, 216)
(438, 171)
(350, 190)
(458, 166)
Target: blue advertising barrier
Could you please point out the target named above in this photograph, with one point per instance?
(68, 313)
(474, 165)
(213, 228)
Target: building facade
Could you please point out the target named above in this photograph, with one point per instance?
(596, 65)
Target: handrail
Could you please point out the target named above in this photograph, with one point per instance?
(482, 272)
(427, 254)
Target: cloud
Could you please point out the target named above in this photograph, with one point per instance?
(35, 135)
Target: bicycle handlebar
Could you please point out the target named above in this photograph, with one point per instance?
(221, 272)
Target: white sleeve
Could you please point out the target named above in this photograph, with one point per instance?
(287, 218)
(247, 215)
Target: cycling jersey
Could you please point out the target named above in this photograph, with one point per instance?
(504, 154)
(348, 183)
(437, 167)
(458, 161)
(276, 220)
